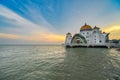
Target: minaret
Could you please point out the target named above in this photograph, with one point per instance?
(68, 39)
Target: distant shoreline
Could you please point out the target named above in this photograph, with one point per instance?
(30, 44)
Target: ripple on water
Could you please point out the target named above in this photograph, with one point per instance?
(58, 63)
(114, 60)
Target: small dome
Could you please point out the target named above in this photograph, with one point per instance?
(85, 27)
(68, 33)
(96, 27)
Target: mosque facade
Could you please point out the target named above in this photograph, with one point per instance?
(87, 37)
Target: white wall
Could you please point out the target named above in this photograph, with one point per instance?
(94, 37)
(68, 39)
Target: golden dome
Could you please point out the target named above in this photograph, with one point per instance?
(85, 27)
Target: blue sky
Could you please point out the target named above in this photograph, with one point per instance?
(47, 21)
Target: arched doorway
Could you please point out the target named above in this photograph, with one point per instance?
(78, 39)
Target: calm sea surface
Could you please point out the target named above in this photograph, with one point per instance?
(58, 63)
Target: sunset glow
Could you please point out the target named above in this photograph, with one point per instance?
(48, 21)
(114, 31)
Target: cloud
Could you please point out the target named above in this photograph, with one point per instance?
(100, 13)
(26, 30)
(20, 22)
(41, 21)
(49, 38)
(114, 31)
(112, 28)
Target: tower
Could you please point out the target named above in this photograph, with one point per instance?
(68, 39)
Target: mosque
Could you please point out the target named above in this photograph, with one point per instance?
(88, 37)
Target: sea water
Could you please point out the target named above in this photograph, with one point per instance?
(35, 62)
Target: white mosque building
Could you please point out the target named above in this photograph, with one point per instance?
(88, 37)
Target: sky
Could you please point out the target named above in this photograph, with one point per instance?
(48, 21)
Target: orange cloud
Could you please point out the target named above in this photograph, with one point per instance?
(49, 37)
(10, 36)
(114, 31)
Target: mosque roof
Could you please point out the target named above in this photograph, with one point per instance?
(96, 27)
(68, 33)
(85, 27)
